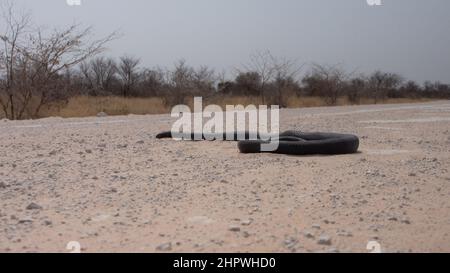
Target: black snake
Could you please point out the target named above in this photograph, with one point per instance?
(293, 143)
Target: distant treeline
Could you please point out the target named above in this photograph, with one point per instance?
(272, 80)
(38, 68)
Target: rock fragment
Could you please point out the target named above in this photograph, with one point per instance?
(33, 206)
(164, 247)
(324, 240)
(234, 228)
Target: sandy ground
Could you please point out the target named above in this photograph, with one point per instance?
(110, 185)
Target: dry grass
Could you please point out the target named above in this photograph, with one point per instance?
(233, 100)
(366, 101)
(84, 106)
(300, 102)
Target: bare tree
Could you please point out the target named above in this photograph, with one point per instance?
(262, 63)
(59, 51)
(15, 27)
(129, 74)
(436, 90)
(410, 90)
(40, 58)
(153, 82)
(355, 89)
(326, 81)
(204, 79)
(381, 82)
(181, 81)
(100, 74)
(285, 74)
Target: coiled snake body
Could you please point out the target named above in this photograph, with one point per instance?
(294, 143)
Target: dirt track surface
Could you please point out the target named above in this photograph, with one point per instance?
(110, 185)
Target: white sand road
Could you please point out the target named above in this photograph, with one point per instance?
(108, 184)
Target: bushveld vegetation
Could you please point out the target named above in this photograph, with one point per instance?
(64, 73)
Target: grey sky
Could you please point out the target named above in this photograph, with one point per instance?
(411, 37)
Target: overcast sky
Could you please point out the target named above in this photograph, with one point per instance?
(411, 37)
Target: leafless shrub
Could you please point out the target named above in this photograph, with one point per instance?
(355, 89)
(129, 74)
(326, 81)
(33, 62)
(100, 75)
(185, 81)
(285, 79)
(261, 63)
(381, 83)
(152, 83)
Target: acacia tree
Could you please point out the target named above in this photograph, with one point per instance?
(34, 61)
